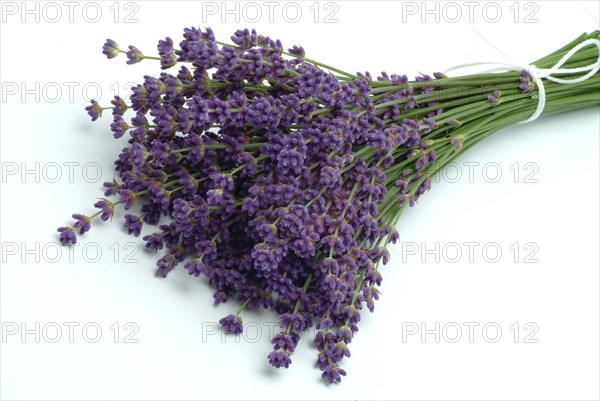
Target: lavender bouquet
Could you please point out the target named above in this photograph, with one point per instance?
(282, 179)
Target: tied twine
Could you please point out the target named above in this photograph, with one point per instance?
(537, 74)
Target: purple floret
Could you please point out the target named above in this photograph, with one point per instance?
(110, 49)
(232, 324)
(67, 235)
(279, 359)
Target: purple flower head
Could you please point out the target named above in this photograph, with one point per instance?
(432, 156)
(165, 265)
(160, 153)
(134, 55)
(159, 197)
(245, 39)
(133, 224)
(138, 154)
(267, 231)
(232, 324)
(174, 88)
(265, 258)
(332, 374)
(250, 206)
(248, 162)
(525, 82)
(284, 341)
(111, 188)
(181, 209)
(206, 247)
(165, 46)
(82, 222)
(324, 323)
(341, 348)
(345, 333)
(196, 267)
(110, 49)
(457, 141)
(198, 47)
(290, 161)
(128, 197)
(200, 209)
(263, 112)
(118, 126)
(67, 235)
(94, 110)
(107, 207)
(402, 184)
(199, 116)
(119, 105)
(331, 265)
(218, 110)
(494, 98)
(279, 359)
(139, 98)
(350, 311)
(222, 181)
(166, 53)
(154, 241)
(324, 340)
(297, 51)
(421, 161)
(292, 321)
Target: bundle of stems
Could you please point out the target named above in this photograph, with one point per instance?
(282, 179)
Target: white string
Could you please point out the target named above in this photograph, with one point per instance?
(486, 40)
(537, 74)
(589, 12)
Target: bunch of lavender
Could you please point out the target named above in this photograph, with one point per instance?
(281, 179)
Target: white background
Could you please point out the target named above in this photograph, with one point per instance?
(176, 356)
